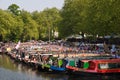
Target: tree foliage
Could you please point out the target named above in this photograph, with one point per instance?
(48, 22)
(30, 27)
(90, 17)
(93, 17)
(13, 8)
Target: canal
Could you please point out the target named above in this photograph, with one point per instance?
(11, 70)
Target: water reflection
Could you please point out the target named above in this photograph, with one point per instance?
(7, 63)
(81, 77)
(10, 70)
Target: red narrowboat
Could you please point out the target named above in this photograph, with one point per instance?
(102, 66)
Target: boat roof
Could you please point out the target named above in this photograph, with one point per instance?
(106, 61)
(46, 54)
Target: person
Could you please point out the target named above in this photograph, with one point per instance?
(65, 61)
(79, 64)
(51, 62)
(113, 49)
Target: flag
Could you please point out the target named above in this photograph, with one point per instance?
(18, 45)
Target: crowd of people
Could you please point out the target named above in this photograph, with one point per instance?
(58, 47)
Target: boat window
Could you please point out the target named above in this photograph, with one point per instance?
(72, 63)
(103, 66)
(109, 65)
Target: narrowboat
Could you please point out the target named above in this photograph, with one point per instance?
(44, 61)
(59, 65)
(98, 67)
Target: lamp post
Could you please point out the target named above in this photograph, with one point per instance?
(49, 34)
(48, 24)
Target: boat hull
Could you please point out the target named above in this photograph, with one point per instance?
(81, 73)
(55, 68)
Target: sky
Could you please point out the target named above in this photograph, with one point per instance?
(32, 5)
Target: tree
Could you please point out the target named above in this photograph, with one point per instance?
(47, 21)
(17, 31)
(7, 23)
(13, 8)
(74, 15)
(103, 17)
(30, 30)
(2, 29)
(93, 17)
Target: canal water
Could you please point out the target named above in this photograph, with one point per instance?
(11, 70)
